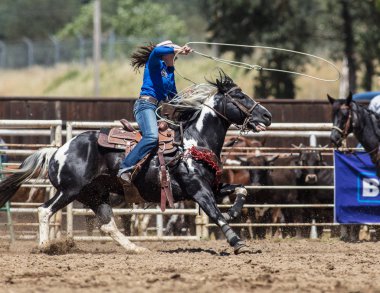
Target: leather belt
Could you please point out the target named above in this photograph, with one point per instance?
(149, 99)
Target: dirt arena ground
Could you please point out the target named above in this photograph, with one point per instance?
(275, 266)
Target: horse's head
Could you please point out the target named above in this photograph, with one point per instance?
(342, 118)
(236, 107)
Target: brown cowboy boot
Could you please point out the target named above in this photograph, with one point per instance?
(125, 177)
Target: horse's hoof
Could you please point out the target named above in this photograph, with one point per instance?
(138, 250)
(241, 247)
(141, 250)
(42, 247)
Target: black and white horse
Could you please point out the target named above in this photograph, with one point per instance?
(82, 170)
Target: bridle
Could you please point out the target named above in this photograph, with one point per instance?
(243, 108)
(247, 111)
(347, 125)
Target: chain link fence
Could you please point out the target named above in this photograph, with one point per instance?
(27, 52)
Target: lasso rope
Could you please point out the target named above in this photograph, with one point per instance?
(258, 67)
(179, 98)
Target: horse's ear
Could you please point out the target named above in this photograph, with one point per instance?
(349, 99)
(331, 99)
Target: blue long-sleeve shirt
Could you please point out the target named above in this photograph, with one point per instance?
(158, 81)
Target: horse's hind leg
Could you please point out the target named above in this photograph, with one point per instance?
(108, 226)
(49, 208)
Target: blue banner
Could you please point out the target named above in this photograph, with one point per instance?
(357, 189)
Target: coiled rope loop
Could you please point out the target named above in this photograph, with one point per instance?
(258, 67)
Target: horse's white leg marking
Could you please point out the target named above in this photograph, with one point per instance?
(61, 156)
(112, 231)
(44, 215)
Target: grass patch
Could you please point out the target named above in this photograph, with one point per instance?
(56, 83)
(118, 79)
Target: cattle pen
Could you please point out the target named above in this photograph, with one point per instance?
(57, 132)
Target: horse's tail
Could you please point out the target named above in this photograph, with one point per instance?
(36, 164)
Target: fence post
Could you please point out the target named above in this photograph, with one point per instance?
(198, 226)
(55, 42)
(313, 228)
(3, 54)
(53, 229)
(313, 140)
(30, 50)
(69, 208)
(81, 49)
(159, 224)
(56, 220)
(111, 46)
(205, 222)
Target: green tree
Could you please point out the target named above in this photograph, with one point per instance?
(133, 18)
(278, 23)
(368, 40)
(35, 19)
(353, 35)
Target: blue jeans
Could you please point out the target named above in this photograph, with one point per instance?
(145, 115)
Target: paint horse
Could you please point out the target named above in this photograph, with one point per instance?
(84, 171)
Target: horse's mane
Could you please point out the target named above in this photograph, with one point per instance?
(190, 101)
(374, 118)
(366, 109)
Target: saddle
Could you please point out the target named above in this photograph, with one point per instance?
(127, 137)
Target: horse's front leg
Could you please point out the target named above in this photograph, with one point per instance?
(240, 195)
(205, 198)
